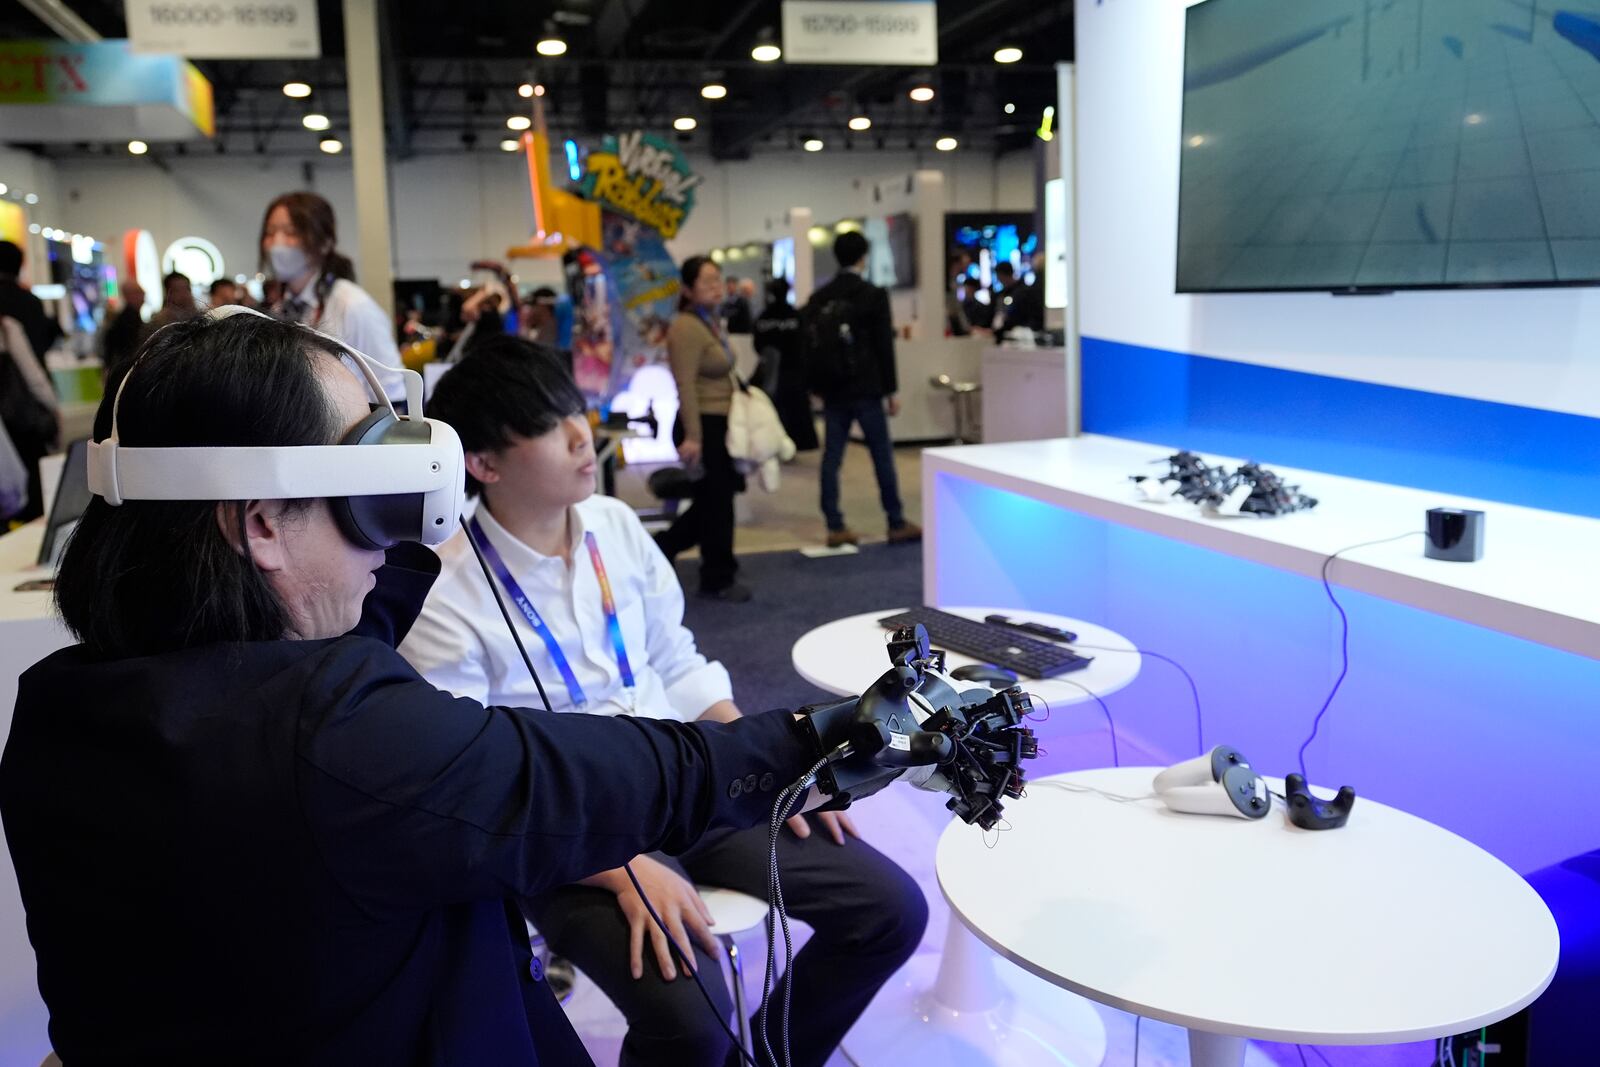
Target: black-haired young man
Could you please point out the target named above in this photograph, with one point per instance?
(849, 332)
(600, 611)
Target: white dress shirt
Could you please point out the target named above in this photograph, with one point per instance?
(350, 315)
(460, 643)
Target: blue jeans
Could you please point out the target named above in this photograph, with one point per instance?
(837, 416)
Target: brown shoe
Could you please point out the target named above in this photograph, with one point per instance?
(904, 534)
(840, 538)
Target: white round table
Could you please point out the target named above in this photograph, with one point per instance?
(847, 655)
(1389, 929)
(964, 1010)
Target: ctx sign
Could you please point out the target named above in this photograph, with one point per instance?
(46, 77)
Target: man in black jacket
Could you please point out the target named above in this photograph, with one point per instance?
(849, 334)
(18, 303)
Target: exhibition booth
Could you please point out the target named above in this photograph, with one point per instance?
(1291, 489)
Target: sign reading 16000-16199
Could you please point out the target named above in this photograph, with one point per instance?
(224, 30)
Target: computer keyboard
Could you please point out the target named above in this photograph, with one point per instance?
(991, 644)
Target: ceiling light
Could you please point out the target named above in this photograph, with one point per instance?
(1008, 54)
(518, 122)
(766, 49)
(684, 123)
(509, 145)
(538, 90)
(33, 198)
(33, 227)
(316, 122)
(551, 43)
(332, 145)
(137, 148)
(922, 93)
(4, 188)
(1197, 140)
(1011, 109)
(860, 122)
(813, 144)
(298, 90)
(525, 90)
(945, 144)
(713, 91)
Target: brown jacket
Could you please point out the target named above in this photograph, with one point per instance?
(701, 366)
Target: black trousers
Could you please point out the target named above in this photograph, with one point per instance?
(866, 913)
(708, 521)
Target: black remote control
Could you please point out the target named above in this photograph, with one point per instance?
(1033, 629)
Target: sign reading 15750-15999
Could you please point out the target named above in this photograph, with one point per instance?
(225, 29)
(875, 32)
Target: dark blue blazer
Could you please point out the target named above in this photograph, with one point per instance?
(299, 852)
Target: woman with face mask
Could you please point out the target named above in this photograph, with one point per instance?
(298, 239)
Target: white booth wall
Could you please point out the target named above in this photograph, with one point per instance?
(1532, 347)
(450, 210)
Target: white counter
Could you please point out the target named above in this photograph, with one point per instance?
(1538, 579)
(1024, 393)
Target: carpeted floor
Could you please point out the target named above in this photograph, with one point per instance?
(794, 594)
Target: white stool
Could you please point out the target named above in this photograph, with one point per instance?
(734, 913)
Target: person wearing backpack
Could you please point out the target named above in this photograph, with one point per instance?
(849, 340)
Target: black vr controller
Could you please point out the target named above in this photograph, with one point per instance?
(919, 723)
(1313, 813)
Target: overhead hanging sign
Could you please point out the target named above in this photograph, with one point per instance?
(643, 177)
(872, 32)
(99, 90)
(252, 29)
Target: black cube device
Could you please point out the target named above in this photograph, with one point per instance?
(1455, 535)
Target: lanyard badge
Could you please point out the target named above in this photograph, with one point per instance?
(607, 602)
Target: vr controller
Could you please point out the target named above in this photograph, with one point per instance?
(1221, 782)
(919, 724)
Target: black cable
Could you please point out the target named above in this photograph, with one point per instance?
(1302, 1050)
(1116, 761)
(688, 965)
(1194, 690)
(1344, 638)
(1138, 1020)
(1321, 1057)
(511, 627)
(688, 962)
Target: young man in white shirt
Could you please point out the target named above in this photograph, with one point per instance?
(600, 612)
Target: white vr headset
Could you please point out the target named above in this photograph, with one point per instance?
(411, 490)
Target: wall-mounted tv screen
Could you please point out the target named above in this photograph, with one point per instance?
(892, 259)
(1389, 144)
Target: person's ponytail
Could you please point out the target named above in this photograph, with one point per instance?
(338, 264)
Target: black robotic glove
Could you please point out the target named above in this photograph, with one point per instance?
(917, 723)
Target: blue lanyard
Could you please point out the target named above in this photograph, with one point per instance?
(535, 620)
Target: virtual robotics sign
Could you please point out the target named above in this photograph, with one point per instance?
(644, 177)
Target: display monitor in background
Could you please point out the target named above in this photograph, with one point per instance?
(1347, 145)
(783, 264)
(989, 239)
(67, 507)
(892, 257)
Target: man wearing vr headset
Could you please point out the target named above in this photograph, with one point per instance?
(600, 612)
(245, 832)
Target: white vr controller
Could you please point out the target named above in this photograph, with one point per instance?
(1220, 782)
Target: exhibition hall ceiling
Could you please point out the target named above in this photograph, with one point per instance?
(452, 75)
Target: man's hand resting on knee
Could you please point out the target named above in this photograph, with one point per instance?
(675, 900)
